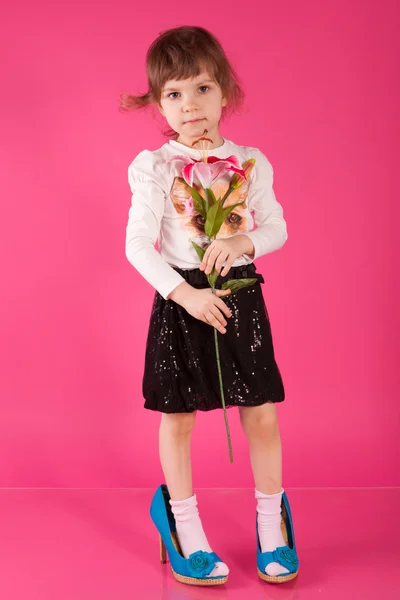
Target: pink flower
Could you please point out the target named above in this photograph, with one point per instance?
(189, 208)
(208, 172)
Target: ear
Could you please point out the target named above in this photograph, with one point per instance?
(160, 108)
(224, 101)
(179, 194)
(238, 195)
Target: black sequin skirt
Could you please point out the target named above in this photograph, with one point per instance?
(181, 372)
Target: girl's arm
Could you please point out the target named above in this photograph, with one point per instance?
(144, 222)
(271, 232)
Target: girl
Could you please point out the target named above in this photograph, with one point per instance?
(193, 85)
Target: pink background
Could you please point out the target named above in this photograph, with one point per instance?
(322, 103)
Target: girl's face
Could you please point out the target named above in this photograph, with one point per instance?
(191, 106)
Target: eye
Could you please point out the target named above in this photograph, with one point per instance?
(233, 218)
(200, 220)
(202, 87)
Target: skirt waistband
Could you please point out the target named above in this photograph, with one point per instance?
(198, 278)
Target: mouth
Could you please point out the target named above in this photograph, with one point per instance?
(194, 121)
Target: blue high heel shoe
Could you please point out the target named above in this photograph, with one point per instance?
(284, 555)
(192, 570)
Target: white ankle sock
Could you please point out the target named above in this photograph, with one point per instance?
(190, 531)
(269, 527)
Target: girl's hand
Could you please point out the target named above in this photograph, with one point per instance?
(225, 250)
(206, 306)
(203, 304)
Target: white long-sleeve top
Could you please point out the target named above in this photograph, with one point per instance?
(161, 211)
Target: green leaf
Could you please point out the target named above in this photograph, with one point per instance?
(198, 202)
(236, 284)
(211, 197)
(229, 209)
(212, 277)
(214, 219)
(200, 251)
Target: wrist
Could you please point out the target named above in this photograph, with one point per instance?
(246, 245)
(179, 293)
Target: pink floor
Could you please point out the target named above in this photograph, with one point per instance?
(59, 544)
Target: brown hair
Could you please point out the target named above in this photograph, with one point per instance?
(182, 53)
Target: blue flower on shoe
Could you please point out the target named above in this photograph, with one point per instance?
(200, 563)
(287, 557)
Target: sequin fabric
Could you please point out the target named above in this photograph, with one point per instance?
(181, 373)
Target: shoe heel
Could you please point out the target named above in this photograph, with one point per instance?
(193, 570)
(285, 555)
(163, 550)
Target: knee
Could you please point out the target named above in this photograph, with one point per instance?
(179, 424)
(260, 421)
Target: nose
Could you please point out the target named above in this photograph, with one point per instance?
(190, 104)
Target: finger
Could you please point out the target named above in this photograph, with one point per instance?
(206, 255)
(211, 259)
(227, 267)
(223, 307)
(211, 320)
(204, 259)
(218, 315)
(223, 257)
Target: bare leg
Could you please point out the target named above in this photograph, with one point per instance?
(174, 446)
(260, 424)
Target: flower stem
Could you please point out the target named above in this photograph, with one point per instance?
(222, 390)
(227, 193)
